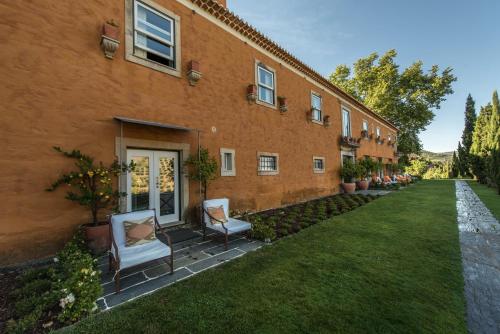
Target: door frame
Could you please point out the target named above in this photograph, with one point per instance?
(122, 144)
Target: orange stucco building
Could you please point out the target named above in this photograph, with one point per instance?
(178, 71)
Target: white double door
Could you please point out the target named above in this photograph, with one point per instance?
(154, 184)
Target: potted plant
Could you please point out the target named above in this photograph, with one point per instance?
(251, 93)
(282, 104)
(364, 168)
(91, 186)
(347, 173)
(111, 30)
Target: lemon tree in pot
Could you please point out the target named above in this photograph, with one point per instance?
(348, 172)
(91, 185)
(368, 166)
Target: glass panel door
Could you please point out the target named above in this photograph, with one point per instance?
(154, 184)
(139, 190)
(167, 186)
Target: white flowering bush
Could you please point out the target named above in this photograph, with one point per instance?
(63, 293)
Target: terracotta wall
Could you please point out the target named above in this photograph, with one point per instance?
(58, 89)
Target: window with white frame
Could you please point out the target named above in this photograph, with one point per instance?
(346, 122)
(319, 164)
(154, 35)
(266, 84)
(268, 163)
(228, 167)
(365, 126)
(389, 137)
(378, 133)
(316, 104)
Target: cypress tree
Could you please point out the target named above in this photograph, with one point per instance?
(454, 165)
(462, 160)
(470, 122)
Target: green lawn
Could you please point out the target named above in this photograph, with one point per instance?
(392, 266)
(489, 196)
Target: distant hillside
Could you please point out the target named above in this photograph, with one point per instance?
(444, 156)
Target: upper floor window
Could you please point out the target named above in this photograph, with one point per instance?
(228, 167)
(365, 126)
(266, 85)
(154, 34)
(316, 104)
(378, 133)
(346, 122)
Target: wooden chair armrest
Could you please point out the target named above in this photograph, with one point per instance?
(113, 244)
(158, 227)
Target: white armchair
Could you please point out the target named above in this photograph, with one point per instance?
(231, 226)
(122, 256)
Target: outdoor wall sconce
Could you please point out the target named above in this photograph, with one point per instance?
(326, 121)
(252, 93)
(194, 73)
(110, 38)
(282, 104)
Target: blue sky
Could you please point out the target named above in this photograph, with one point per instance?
(462, 34)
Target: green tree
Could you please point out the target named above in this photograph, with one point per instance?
(417, 167)
(203, 168)
(405, 98)
(454, 165)
(493, 131)
(470, 121)
(462, 160)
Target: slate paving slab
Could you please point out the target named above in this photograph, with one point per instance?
(480, 246)
(191, 257)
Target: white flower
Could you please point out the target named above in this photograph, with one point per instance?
(95, 307)
(71, 298)
(56, 260)
(93, 273)
(80, 283)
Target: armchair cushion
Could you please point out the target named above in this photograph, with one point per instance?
(218, 214)
(233, 226)
(214, 203)
(117, 224)
(140, 231)
(131, 256)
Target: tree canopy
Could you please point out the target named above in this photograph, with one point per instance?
(406, 98)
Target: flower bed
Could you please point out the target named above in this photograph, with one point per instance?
(277, 223)
(56, 295)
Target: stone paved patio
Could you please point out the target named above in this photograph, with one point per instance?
(191, 257)
(480, 245)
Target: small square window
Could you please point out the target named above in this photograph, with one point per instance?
(228, 167)
(316, 105)
(268, 163)
(318, 164)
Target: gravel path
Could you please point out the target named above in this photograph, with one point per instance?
(480, 245)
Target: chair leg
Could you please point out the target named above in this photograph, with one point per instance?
(117, 281)
(110, 262)
(204, 233)
(171, 264)
(225, 241)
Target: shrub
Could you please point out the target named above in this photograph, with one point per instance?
(342, 206)
(321, 210)
(332, 207)
(64, 292)
(263, 230)
(357, 199)
(350, 202)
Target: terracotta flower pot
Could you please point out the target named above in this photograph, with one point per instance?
(363, 185)
(97, 237)
(111, 31)
(349, 188)
(194, 66)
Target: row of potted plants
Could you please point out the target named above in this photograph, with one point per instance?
(357, 174)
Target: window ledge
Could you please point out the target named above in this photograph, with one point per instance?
(317, 122)
(267, 173)
(319, 171)
(265, 104)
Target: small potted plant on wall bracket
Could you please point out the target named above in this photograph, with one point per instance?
(282, 101)
(91, 186)
(252, 93)
(326, 121)
(110, 38)
(347, 173)
(194, 74)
